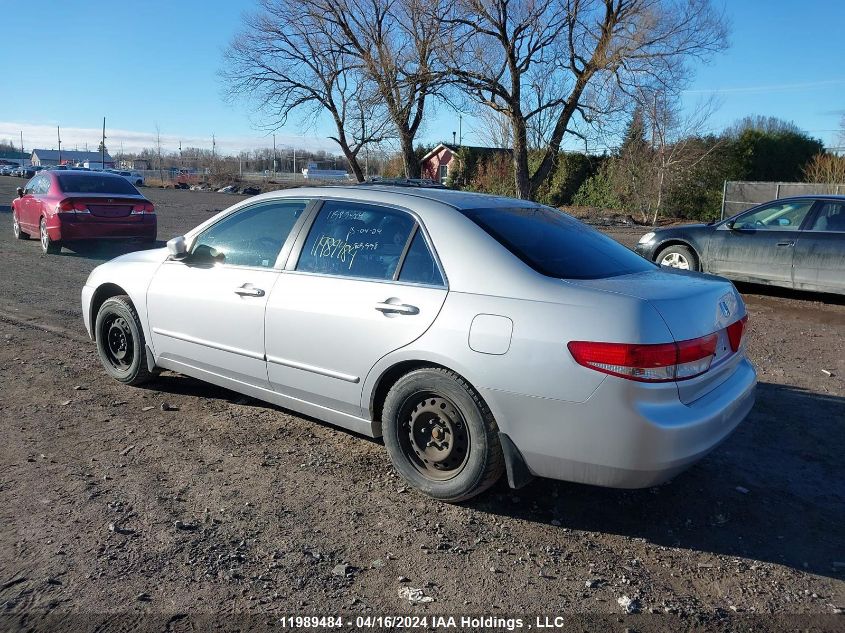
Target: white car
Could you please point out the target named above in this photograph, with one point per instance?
(132, 176)
(476, 334)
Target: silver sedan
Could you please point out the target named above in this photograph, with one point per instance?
(477, 335)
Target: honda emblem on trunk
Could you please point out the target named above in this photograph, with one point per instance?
(726, 310)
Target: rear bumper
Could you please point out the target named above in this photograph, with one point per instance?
(618, 441)
(68, 228)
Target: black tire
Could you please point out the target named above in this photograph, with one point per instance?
(120, 341)
(437, 404)
(16, 228)
(48, 246)
(680, 254)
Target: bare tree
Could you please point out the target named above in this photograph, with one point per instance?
(494, 127)
(569, 62)
(673, 140)
(827, 170)
(286, 61)
(395, 42)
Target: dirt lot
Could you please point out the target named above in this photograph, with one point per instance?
(95, 475)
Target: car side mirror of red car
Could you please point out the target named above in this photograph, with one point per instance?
(20, 192)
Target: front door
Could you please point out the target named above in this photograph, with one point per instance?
(207, 311)
(760, 245)
(366, 283)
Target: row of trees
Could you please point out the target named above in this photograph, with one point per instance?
(543, 69)
(665, 165)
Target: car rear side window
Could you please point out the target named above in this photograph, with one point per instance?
(557, 245)
(253, 236)
(349, 239)
(95, 183)
(419, 266)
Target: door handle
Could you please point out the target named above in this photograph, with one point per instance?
(248, 291)
(786, 243)
(397, 308)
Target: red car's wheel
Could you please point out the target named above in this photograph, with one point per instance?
(16, 228)
(48, 246)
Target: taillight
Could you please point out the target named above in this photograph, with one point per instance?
(736, 332)
(663, 362)
(72, 206)
(140, 209)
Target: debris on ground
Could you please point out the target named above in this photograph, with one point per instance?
(631, 605)
(414, 596)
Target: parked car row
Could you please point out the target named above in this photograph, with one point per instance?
(134, 177)
(478, 335)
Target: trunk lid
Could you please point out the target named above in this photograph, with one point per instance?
(692, 305)
(105, 206)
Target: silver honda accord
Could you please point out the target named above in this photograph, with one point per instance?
(478, 335)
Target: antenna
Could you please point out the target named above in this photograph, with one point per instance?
(59, 136)
(103, 145)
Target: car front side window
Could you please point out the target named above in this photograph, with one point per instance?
(787, 216)
(350, 239)
(253, 236)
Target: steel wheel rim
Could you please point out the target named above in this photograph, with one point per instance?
(675, 260)
(45, 239)
(434, 436)
(118, 343)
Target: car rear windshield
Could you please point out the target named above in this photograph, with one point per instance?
(96, 183)
(557, 245)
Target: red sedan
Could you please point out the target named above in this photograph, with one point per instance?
(68, 206)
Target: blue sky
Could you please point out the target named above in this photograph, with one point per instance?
(155, 62)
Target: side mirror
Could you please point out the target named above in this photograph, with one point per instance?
(178, 247)
(730, 224)
(20, 192)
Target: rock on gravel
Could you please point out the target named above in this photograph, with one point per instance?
(414, 596)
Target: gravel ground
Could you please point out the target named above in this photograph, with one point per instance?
(183, 498)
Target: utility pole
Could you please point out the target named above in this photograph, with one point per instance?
(59, 136)
(22, 154)
(181, 162)
(274, 157)
(294, 162)
(103, 147)
(460, 129)
(213, 152)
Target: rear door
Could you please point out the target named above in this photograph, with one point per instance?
(362, 282)
(761, 244)
(207, 310)
(819, 262)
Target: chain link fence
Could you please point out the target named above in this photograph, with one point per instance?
(737, 196)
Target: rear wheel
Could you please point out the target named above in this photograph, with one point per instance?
(441, 436)
(48, 246)
(120, 341)
(16, 228)
(677, 256)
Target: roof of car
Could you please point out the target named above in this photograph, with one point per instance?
(451, 197)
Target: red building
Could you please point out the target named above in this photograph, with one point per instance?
(436, 165)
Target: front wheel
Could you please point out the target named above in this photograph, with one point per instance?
(441, 436)
(16, 228)
(678, 256)
(48, 246)
(120, 341)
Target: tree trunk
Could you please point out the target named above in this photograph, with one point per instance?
(660, 179)
(522, 180)
(409, 157)
(356, 167)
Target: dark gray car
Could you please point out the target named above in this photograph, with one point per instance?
(792, 242)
